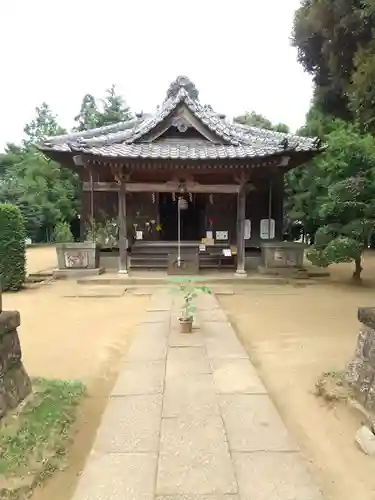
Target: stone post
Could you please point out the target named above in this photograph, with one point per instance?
(15, 384)
(360, 373)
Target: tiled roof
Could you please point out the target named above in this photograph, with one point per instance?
(233, 140)
(199, 149)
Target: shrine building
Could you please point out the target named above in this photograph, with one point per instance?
(183, 181)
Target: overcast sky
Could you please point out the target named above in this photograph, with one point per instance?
(236, 52)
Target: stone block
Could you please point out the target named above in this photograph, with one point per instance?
(15, 384)
(190, 395)
(9, 320)
(118, 476)
(187, 361)
(204, 474)
(10, 351)
(365, 439)
(253, 424)
(222, 342)
(236, 376)
(140, 378)
(274, 476)
(193, 435)
(130, 424)
(360, 373)
(148, 345)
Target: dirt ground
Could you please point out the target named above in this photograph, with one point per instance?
(41, 258)
(293, 335)
(73, 338)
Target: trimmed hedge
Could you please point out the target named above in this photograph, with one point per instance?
(12, 248)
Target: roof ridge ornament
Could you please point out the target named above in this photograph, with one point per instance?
(182, 82)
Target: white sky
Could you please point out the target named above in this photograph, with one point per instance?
(237, 53)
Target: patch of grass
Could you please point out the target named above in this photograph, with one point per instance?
(34, 439)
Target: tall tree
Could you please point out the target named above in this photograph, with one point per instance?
(254, 119)
(115, 108)
(45, 192)
(89, 115)
(328, 35)
(44, 125)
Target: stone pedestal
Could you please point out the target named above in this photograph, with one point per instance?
(81, 258)
(360, 373)
(189, 264)
(15, 384)
(282, 254)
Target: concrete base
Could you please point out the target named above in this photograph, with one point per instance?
(240, 274)
(148, 278)
(76, 273)
(123, 272)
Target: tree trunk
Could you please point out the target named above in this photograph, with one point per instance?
(358, 269)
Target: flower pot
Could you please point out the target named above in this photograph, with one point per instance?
(186, 325)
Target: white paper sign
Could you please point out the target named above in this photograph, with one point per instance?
(265, 225)
(202, 248)
(139, 235)
(227, 252)
(209, 234)
(221, 235)
(247, 229)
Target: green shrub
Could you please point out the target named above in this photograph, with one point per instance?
(62, 233)
(12, 247)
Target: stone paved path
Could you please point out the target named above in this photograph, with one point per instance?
(189, 418)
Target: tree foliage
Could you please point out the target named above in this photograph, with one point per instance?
(335, 45)
(112, 109)
(254, 119)
(12, 248)
(43, 191)
(89, 115)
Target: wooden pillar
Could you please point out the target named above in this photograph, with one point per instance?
(123, 257)
(241, 208)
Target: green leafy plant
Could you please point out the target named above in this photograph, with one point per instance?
(189, 289)
(62, 233)
(12, 247)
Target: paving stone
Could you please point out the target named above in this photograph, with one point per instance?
(212, 315)
(197, 497)
(156, 316)
(143, 377)
(222, 342)
(202, 474)
(161, 302)
(233, 376)
(100, 292)
(128, 476)
(193, 339)
(187, 361)
(193, 435)
(207, 302)
(253, 424)
(130, 424)
(274, 476)
(190, 395)
(148, 345)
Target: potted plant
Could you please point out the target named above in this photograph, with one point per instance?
(189, 290)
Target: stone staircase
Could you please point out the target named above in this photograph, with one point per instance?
(155, 255)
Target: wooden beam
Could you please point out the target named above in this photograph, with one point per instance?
(166, 187)
(241, 210)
